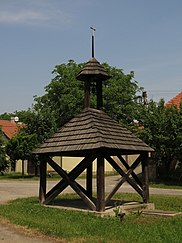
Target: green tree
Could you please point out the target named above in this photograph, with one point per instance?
(42, 124)
(3, 159)
(163, 131)
(22, 115)
(64, 94)
(20, 147)
(120, 95)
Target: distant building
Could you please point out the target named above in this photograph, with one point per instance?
(175, 101)
(9, 129)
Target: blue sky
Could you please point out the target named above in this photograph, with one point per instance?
(143, 36)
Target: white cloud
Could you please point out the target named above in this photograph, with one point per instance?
(23, 16)
(32, 13)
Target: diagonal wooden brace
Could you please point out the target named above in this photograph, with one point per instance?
(133, 166)
(123, 179)
(68, 179)
(118, 168)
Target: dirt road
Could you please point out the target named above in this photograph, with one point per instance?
(10, 190)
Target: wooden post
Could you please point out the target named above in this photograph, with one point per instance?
(42, 188)
(87, 94)
(99, 95)
(100, 185)
(145, 176)
(89, 180)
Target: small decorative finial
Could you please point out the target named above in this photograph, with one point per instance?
(93, 30)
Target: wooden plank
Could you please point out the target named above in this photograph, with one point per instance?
(77, 170)
(118, 168)
(114, 190)
(123, 179)
(89, 186)
(134, 165)
(100, 184)
(73, 184)
(86, 94)
(99, 95)
(42, 186)
(145, 176)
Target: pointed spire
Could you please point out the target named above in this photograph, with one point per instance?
(93, 31)
(93, 72)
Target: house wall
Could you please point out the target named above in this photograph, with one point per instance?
(68, 163)
(18, 167)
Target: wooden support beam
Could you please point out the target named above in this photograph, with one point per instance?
(73, 184)
(145, 176)
(123, 179)
(100, 184)
(42, 187)
(99, 95)
(134, 165)
(89, 187)
(57, 189)
(118, 168)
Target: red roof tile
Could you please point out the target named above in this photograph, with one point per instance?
(175, 100)
(8, 128)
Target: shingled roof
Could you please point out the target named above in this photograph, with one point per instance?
(175, 100)
(93, 70)
(92, 129)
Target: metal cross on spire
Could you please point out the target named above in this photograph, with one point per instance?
(93, 30)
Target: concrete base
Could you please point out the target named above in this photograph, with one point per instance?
(162, 213)
(110, 210)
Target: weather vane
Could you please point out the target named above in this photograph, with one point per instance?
(93, 30)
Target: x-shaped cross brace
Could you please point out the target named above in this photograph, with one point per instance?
(69, 180)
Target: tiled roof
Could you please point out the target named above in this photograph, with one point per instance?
(175, 100)
(8, 128)
(92, 129)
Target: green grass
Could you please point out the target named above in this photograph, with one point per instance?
(18, 176)
(54, 176)
(167, 184)
(73, 226)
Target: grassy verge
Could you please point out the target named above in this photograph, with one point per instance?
(167, 184)
(74, 226)
(18, 176)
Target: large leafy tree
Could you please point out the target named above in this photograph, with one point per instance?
(20, 147)
(3, 159)
(64, 94)
(22, 115)
(163, 131)
(63, 99)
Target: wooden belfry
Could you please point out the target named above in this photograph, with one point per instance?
(93, 135)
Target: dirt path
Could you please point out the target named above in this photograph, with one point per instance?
(17, 234)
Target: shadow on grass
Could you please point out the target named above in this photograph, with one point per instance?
(72, 201)
(18, 176)
(166, 183)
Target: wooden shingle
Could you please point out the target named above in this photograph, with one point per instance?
(92, 129)
(94, 71)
